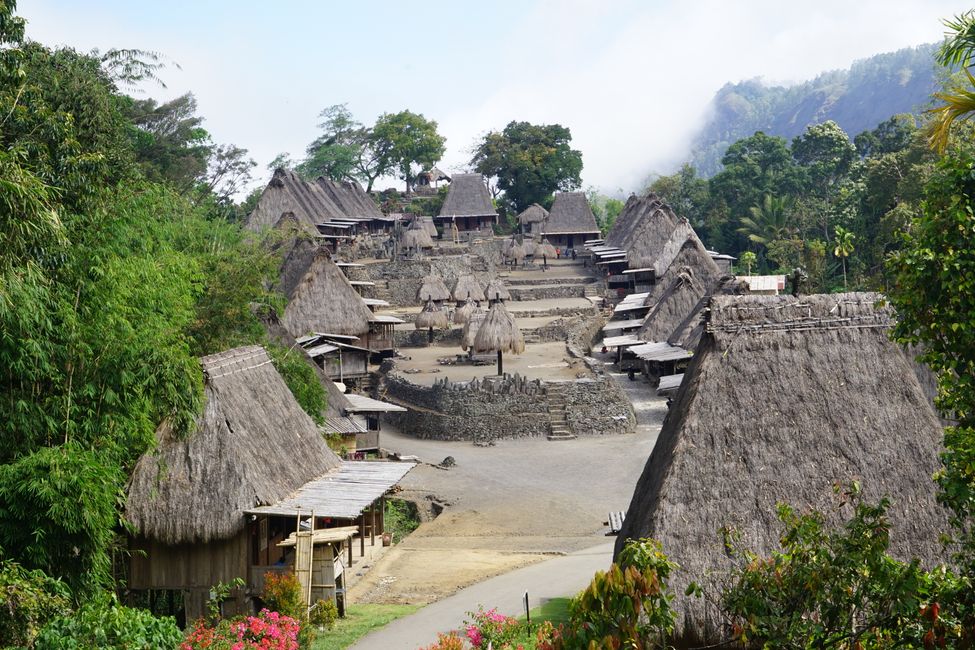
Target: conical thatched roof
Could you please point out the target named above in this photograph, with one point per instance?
(253, 445)
(471, 327)
(647, 219)
(416, 236)
(528, 246)
(691, 255)
(468, 196)
(467, 287)
(496, 290)
(647, 251)
(676, 303)
(785, 398)
(532, 214)
(320, 298)
(499, 332)
(463, 313)
(545, 249)
(433, 289)
(433, 315)
(311, 203)
(570, 214)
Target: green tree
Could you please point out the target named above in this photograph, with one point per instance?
(530, 161)
(748, 259)
(843, 247)
(686, 193)
(407, 142)
(769, 221)
(958, 99)
(336, 153)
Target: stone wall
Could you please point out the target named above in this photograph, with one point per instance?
(404, 277)
(512, 407)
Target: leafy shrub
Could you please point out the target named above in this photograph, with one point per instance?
(282, 593)
(110, 626)
(324, 614)
(401, 518)
(266, 631)
(28, 600)
(446, 642)
(490, 629)
(301, 380)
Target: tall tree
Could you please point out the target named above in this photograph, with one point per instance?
(530, 162)
(336, 153)
(958, 99)
(407, 142)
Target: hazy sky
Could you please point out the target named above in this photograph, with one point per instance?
(631, 79)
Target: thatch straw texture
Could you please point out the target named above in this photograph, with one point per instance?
(311, 203)
(570, 214)
(463, 313)
(320, 298)
(785, 398)
(545, 249)
(253, 445)
(528, 247)
(433, 289)
(646, 216)
(416, 237)
(350, 197)
(432, 316)
(687, 335)
(660, 259)
(532, 214)
(468, 196)
(496, 290)
(468, 288)
(691, 255)
(470, 328)
(676, 303)
(499, 332)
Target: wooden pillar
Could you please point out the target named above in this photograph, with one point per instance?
(372, 528)
(362, 534)
(349, 543)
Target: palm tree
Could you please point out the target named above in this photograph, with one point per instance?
(844, 246)
(959, 100)
(768, 222)
(748, 258)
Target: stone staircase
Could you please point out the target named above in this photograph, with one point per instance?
(381, 291)
(558, 423)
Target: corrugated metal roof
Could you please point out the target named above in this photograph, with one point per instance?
(619, 325)
(669, 383)
(363, 404)
(621, 341)
(343, 493)
(659, 351)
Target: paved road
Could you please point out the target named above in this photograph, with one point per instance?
(561, 576)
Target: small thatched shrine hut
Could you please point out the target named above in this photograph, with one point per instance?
(253, 451)
(463, 313)
(785, 398)
(496, 291)
(415, 238)
(499, 332)
(470, 329)
(546, 251)
(532, 219)
(570, 222)
(468, 204)
(432, 289)
(432, 316)
(467, 288)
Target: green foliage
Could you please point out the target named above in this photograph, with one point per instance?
(324, 614)
(337, 152)
(400, 518)
(110, 626)
(28, 600)
(958, 99)
(405, 141)
(301, 380)
(530, 162)
(282, 594)
(838, 588)
(360, 619)
(748, 259)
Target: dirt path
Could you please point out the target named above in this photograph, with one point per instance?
(510, 505)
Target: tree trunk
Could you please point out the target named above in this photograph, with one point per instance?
(844, 274)
(500, 365)
(430, 336)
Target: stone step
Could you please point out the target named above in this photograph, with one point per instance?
(561, 436)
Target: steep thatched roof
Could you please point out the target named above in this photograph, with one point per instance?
(428, 225)
(532, 214)
(785, 398)
(253, 445)
(570, 214)
(433, 315)
(416, 236)
(499, 332)
(468, 196)
(311, 203)
(688, 333)
(676, 303)
(496, 290)
(647, 251)
(320, 298)
(467, 287)
(470, 328)
(690, 255)
(432, 288)
(639, 215)
(463, 313)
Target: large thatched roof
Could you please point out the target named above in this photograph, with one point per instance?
(532, 214)
(647, 251)
(499, 332)
(644, 224)
(253, 445)
(467, 287)
(688, 333)
(311, 203)
(784, 399)
(468, 196)
(570, 215)
(690, 255)
(320, 298)
(676, 303)
(416, 236)
(432, 288)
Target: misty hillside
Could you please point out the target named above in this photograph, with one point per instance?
(857, 99)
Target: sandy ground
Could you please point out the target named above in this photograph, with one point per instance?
(538, 361)
(509, 505)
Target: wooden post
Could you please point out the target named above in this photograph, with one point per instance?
(362, 534)
(372, 528)
(349, 543)
(500, 365)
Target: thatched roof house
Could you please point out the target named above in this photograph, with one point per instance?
(691, 254)
(415, 237)
(676, 303)
(688, 333)
(496, 290)
(468, 288)
(468, 203)
(432, 288)
(785, 398)
(570, 222)
(646, 215)
(350, 197)
(320, 298)
(532, 218)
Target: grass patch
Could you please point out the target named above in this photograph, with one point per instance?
(359, 621)
(402, 518)
(555, 610)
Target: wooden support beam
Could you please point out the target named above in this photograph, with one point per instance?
(372, 526)
(362, 535)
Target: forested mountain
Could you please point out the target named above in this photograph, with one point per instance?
(857, 99)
